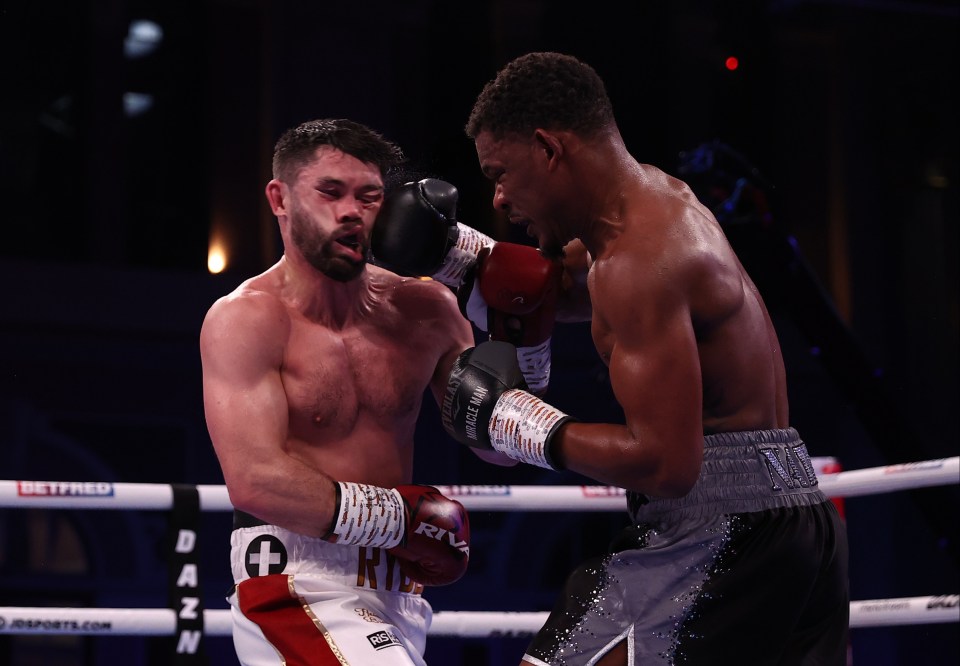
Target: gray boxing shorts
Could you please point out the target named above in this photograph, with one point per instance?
(750, 567)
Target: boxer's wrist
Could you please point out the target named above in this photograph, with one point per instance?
(522, 426)
(366, 515)
(461, 256)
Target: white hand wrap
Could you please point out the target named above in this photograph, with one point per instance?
(535, 366)
(520, 426)
(369, 516)
(461, 256)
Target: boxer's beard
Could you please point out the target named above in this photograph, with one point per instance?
(317, 248)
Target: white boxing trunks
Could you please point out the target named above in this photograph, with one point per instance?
(302, 601)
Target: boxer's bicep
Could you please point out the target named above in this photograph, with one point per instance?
(244, 400)
(655, 373)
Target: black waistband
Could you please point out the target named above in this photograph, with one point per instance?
(244, 519)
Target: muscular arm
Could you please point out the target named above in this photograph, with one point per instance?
(644, 321)
(241, 349)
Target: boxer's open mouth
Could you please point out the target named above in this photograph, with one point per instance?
(352, 241)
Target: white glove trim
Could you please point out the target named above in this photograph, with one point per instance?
(461, 256)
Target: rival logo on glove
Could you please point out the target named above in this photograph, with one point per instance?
(434, 532)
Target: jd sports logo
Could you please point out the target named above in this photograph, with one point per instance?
(382, 639)
(265, 555)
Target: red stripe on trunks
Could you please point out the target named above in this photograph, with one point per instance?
(289, 626)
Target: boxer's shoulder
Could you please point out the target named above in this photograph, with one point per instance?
(413, 295)
(252, 306)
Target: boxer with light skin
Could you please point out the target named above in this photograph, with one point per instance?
(313, 376)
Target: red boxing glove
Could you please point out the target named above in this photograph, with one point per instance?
(521, 287)
(514, 298)
(436, 543)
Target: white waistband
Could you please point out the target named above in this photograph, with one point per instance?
(268, 549)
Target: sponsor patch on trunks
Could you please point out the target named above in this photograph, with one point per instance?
(383, 639)
(265, 555)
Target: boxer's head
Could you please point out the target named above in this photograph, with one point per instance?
(548, 91)
(530, 126)
(298, 146)
(327, 188)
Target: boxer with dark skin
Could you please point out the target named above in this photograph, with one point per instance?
(695, 363)
(688, 341)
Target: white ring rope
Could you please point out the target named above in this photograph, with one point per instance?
(163, 621)
(464, 624)
(159, 496)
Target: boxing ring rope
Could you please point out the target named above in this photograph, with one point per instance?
(464, 624)
(475, 624)
(158, 496)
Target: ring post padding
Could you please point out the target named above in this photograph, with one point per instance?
(183, 576)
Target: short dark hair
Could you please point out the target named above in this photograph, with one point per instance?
(296, 146)
(549, 90)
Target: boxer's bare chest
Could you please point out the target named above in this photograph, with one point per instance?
(339, 380)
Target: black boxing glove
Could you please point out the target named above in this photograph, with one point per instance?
(417, 233)
(428, 533)
(487, 406)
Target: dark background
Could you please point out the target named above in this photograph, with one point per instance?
(841, 119)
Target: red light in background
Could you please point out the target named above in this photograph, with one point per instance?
(731, 63)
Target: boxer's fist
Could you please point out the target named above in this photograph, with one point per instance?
(486, 406)
(436, 545)
(416, 227)
(416, 233)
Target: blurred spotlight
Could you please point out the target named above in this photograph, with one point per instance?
(731, 63)
(143, 38)
(216, 257)
(135, 104)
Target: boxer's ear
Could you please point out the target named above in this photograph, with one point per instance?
(550, 145)
(275, 192)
